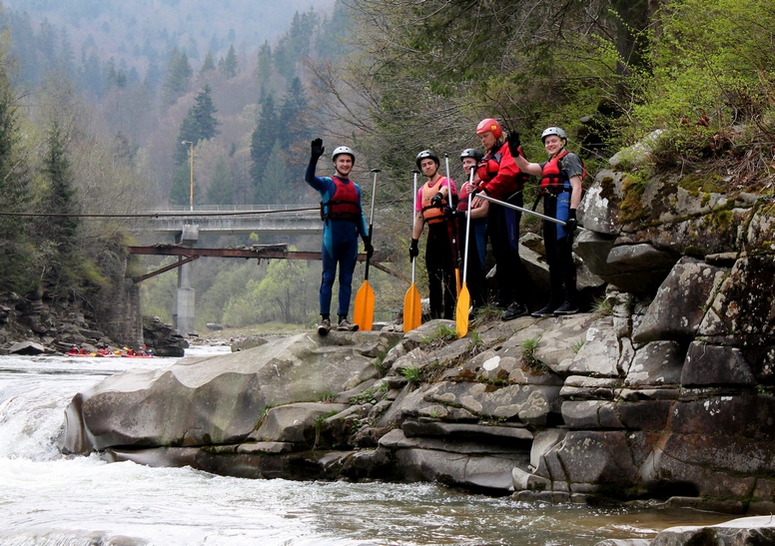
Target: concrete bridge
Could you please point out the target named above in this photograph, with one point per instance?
(234, 220)
(186, 225)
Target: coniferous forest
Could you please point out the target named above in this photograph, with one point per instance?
(95, 102)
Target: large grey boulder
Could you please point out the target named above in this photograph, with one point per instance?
(215, 400)
(680, 303)
(162, 338)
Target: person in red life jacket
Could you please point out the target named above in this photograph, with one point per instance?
(475, 276)
(501, 179)
(434, 198)
(561, 188)
(343, 222)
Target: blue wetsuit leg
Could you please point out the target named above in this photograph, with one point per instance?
(329, 272)
(340, 246)
(348, 255)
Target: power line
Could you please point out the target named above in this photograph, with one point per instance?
(170, 214)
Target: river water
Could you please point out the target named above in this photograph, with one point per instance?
(50, 499)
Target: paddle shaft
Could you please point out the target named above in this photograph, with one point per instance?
(468, 227)
(371, 221)
(521, 209)
(452, 234)
(414, 215)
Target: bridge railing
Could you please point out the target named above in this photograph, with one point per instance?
(230, 219)
(232, 208)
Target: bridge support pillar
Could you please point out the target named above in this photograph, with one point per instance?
(185, 295)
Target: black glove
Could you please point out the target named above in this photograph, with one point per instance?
(436, 200)
(571, 223)
(414, 250)
(454, 213)
(367, 245)
(513, 140)
(317, 150)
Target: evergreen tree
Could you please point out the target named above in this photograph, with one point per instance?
(15, 261)
(228, 65)
(180, 192)
(91, 73)
(47, 45)
(59, 200)
(203, 112)
(22, 46)
(264, 64)
(178, 76)
(199, 124)
(291, 117)
(295, 44)
(263, 139)
(208, 63)
(275, 182)
(329, 43)
(221, 189)
(66, 58)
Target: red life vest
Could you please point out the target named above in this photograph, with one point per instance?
(343, 204)
(433, 215)
(553, 179)
(488, 167)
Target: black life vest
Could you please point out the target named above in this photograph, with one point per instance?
(343, 204)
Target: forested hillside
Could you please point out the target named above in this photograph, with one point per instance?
(110, 95)
(104, 131)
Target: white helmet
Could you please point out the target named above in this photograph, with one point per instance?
(342, 150)
(556, 131)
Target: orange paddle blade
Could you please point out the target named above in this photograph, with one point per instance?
(363, 311)
(412, 309)
(461, 311)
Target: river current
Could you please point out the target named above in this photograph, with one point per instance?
(47, 498)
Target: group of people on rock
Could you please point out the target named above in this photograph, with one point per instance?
(496, 177)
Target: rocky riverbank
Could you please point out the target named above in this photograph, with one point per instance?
(664, 392)
(38, 327)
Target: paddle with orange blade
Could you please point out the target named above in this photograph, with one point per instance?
(412, 304)
(363, 312)
(464, 298)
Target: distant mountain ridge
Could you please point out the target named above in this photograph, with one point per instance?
(142, 32)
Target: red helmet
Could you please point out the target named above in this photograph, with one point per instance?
(490, 125)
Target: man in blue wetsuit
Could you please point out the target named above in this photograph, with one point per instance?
(343, 222)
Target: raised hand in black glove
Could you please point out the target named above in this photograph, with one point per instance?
(571, 223)
(317, 150)
(414, 250)
(514, 142)
(367, 245)
(437, 199)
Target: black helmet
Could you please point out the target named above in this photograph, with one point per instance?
(426, 154)
(474, 153)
